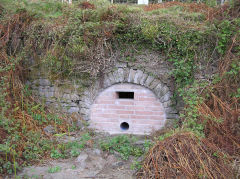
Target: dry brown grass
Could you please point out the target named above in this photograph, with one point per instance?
(210, 13)
(184, 156)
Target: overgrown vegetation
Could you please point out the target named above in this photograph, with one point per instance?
(84, 40)
(124, 145)
(70, 149)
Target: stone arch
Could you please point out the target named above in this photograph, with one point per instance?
(132, 76)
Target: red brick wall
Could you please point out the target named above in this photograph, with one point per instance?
(144, 113)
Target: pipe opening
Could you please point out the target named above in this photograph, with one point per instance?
(124, 126)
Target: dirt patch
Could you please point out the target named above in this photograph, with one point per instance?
(91, 163)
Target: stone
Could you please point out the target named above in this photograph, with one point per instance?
(167, 104)
(84, 105)
(138, 76)
(28, 83)
(49, 129)
(165, 98)
(41, 93)
(84, 111)
(74, 97)
(63, 104)
(57, 94)
(36, 82)
(131, 75)
(66, 96)
(158, 88)
(121, 64)
(44, 82)
(116, 77)
(40, 89)
(154, 83)
(51, 89)
(170, 110)
(96, 152)
(81, 159)
(171, 116)
(142, 142)
(121, 74)
(111, 78)
(48, 103)
(111, 159)
(73, 109)
(143, 79)
(106, 82)
(148, 81)
(73, 104)
(79, 124)
(48, 94)
(126, 74)
(117, 164)
(163, 91)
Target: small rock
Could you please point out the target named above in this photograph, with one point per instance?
(142, 142)
(97, 152)
(111, 159)
(79, 124)
(49, 129)
(73, 110)
(44, 82)
(81, 159)
(117, 164)
(117, 154)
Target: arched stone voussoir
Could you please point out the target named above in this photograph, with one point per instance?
(143, 79)
(111, 78)
(138, 76)
(161, 90)
(120, 74)
(131, 75)
(116, 76)
(148, 81)
(166, 97)
(154, 84)
(106, 82)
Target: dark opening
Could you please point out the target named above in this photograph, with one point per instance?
(124, 126)
(125, 95)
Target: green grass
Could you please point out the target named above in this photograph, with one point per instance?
(124, 145)
(41, 8)
(54, 169)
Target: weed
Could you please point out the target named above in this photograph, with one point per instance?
(56, 154)
(122, 144)
(136, 165)
(54, 169)
(73, 167)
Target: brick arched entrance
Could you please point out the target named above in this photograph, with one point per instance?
(125, 76)
(127, 108)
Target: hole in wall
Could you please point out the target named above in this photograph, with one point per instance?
(125, 95)
(124, 126)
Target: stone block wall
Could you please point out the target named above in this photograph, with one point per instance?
(147, 72)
